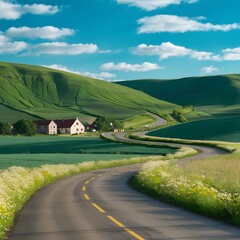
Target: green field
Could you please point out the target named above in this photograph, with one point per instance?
(214, 95)
(220, 128)
(138, 121)
(37, 160)
(40, 150)
(51, 94)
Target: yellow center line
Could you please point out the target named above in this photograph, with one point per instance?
(86, 196)
(116, 222)
(134, 234)
(98, 208)
(86, 182)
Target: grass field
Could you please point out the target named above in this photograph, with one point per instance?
(210, 186)
(37, 160)
(39, 150)
(51, 94)
(209, 95)
(220, 129)
(138, 121)
(84, 145)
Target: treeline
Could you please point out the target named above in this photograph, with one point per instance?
(105, 124)
(22, 127)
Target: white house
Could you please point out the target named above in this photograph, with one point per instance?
(46, 127)
(70, 126)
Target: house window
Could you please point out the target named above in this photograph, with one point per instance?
(76, 123)
(81, 129)
(77, 129)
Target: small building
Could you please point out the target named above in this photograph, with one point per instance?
(89, 127)
(46, 127)
(70, 126)
(118, 130)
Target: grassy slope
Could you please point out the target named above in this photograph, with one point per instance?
(12, 115)
(49, 93)
(214, 95)
(222, 128)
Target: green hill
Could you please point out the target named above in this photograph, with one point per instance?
(214, 95)
(39, 92)
(222, 128)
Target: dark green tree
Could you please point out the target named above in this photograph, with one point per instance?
(5, 128)
(25, 127)
(105, 124)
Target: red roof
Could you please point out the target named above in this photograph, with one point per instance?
(65, 123)
(42, 122)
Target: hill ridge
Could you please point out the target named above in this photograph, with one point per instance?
(49, 93)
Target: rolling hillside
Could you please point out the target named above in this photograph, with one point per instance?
(221, 128)
(39, 92)
(214, 95)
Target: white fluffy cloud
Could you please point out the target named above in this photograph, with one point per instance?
(10, 10)
(47, 32)
(231, 54)
(101, 75)
(61, 67)
(63, 48)
(10, 47)
(209, 69)
(150, 5)
(126, 67)
(173, 23)
(168, 49)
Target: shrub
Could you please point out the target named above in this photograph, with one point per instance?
(25, 127)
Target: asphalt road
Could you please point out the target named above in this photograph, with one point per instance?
(101, 206)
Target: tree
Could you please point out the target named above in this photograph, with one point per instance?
(25, 127)
(5, 128)
(105, 124)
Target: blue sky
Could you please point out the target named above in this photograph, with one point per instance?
(123, 39)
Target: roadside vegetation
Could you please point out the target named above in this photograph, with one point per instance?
(210, 186)
(18, 184)
(138, 122)
(179, 114)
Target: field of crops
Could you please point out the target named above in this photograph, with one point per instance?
(82, 145)
(220, 129)
(39, 150)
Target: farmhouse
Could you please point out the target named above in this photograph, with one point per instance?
(46, 127)
(70, 126)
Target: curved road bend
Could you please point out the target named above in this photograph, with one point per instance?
(101, 206)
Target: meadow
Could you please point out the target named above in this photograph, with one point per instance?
(39, 150)
(219, 128)
(138, 121)
(210, 186)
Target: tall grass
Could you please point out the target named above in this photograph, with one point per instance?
(18, 184)
(222, 172)
(210, 187)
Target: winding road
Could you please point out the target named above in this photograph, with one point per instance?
(100, 205)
